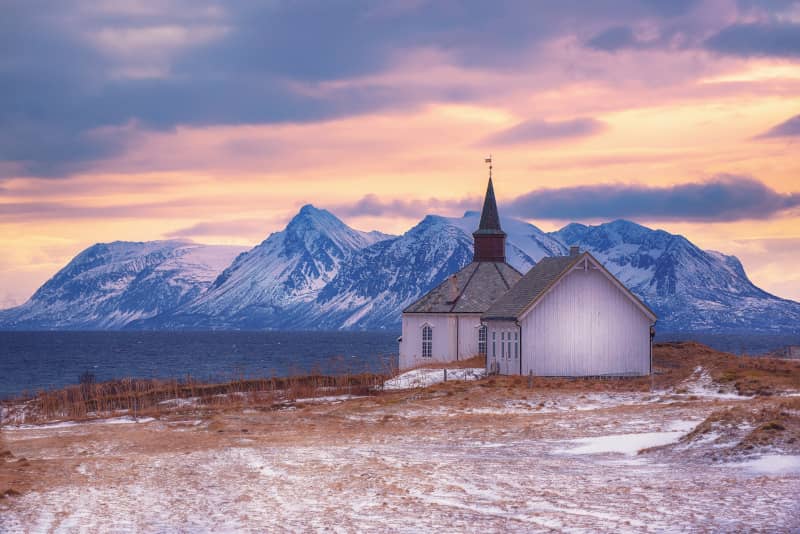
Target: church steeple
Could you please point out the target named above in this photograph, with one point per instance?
(490, 220)
(490, 240)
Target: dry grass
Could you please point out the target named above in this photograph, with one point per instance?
(154, 397)
(474, 361)
(673, 362)
(758, 426)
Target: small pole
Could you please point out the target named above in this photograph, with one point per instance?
(445, 375)
(530, 379)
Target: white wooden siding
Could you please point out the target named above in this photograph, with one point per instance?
(446, 328)
(468, 336)
(585, 326)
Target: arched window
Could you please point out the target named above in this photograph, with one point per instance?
(427, 341)
(482, 340)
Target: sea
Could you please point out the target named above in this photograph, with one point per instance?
(34, 361)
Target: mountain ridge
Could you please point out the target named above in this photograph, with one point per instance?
(318, 273)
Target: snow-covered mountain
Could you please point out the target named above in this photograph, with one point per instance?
(525, 244)
(275, 284)
(690, 289)
(383, 279)
(108, 285)
(318, 273)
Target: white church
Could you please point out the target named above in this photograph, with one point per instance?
(568, 316)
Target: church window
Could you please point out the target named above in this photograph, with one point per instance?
(482, 340)
(502, 344)
(427, 341)
(494, 344)
(516, 345)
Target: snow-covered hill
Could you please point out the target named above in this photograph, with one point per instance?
(318, 273)
(108, 285)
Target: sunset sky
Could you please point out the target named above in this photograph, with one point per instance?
(216, 120)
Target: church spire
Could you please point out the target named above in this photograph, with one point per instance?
(490, 240)
(490, 220)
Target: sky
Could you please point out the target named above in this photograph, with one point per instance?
(216, 121)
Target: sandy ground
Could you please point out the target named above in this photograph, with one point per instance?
(481, 456)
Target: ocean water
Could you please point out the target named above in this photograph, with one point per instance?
(31, 361)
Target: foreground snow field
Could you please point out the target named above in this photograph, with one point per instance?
(461, 456)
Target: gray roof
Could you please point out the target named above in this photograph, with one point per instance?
(478, 285)
(534, 283)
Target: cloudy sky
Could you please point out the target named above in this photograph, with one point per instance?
(216, 120)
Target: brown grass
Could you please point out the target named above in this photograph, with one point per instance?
(673, 362)
(473, 361)
(154, 397)
(773, 423)
(748, 375)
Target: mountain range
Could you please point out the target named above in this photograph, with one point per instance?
(318, 273)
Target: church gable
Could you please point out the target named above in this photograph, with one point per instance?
(543, 277)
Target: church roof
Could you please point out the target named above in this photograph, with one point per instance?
(539, 279)
(490, 218)
(530, 287)
(471, 290)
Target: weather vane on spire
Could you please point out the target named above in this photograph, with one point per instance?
(489, 161)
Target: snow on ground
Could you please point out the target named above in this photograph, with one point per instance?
(554, 403)
(328, 399)
(402, 487)
(320, 468)
(420, 378)
(184, 402)
(772, 464)
(125, 420)
(700, 384)
(629, 444)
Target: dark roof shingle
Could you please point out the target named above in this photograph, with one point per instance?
(478, 285)
(529, 287)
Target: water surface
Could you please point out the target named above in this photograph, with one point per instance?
(31, 361)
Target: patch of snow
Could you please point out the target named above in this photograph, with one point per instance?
(329, 398)
(180, 403)
(124, 420)
(700, 384)
(422, 378)
(628, 444)
(772, 464)
(67, 424)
